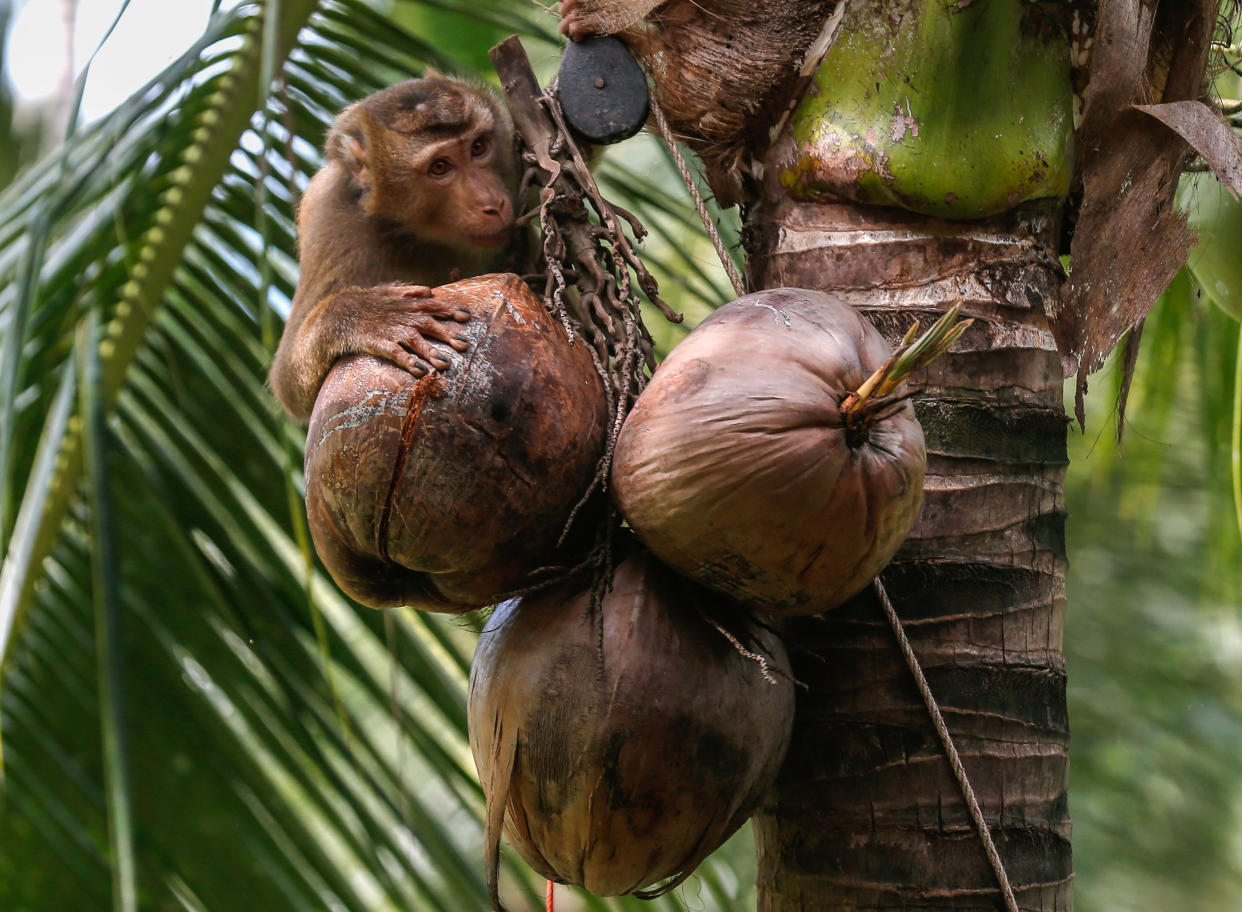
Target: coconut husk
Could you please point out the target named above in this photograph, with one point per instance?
(723, 71)
(736, 465)
(619, 745)
(446, 492)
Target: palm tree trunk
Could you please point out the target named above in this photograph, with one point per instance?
(867, 815)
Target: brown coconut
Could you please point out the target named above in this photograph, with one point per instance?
(619, 748)
(735, 468)
(445, 492)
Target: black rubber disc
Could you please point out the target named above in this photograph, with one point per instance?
(602, 89)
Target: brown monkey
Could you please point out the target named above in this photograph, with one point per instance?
(417, 189)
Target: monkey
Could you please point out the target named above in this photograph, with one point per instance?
(418, 188)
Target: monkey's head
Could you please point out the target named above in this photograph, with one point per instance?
(435, 157)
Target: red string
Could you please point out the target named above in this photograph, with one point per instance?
(550, 888)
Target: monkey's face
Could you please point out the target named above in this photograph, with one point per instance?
(434, 157)
(459, 190)
(452, 186)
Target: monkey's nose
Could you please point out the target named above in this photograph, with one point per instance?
(497, 209)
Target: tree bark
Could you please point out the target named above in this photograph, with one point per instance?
(867, 814)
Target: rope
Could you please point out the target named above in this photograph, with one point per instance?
(550, 896)
(683, 169)
(955, 761)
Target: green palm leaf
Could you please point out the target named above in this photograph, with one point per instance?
(287, 748)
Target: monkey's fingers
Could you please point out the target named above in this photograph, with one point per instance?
(413, 291)
(415, 345)
(438, 331)
(436, 309)
(425, 330)
(399, 355)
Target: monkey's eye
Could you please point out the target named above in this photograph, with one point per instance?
(440, 167)
(480, 147)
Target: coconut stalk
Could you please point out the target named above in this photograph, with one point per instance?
(877, 397)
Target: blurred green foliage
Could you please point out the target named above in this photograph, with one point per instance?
(289, 750)
(1153, 638)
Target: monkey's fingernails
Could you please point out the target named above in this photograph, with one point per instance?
(460, 343)
(462, 316)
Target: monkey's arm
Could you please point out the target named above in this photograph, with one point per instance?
(394, 322)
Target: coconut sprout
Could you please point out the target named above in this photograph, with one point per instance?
(772, 456)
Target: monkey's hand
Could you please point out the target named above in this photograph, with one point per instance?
(397, 323)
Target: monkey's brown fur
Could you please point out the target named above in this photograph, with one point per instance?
(417, 189)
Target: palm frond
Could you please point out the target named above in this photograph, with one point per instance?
(287, 748)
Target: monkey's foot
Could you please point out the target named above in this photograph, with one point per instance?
(575, 23)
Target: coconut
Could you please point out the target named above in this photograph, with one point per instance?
(445, 492)
(736, 466)
(620, 747)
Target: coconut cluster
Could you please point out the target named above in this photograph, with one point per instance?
(621, 738)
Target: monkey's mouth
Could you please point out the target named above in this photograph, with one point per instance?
(492, 239)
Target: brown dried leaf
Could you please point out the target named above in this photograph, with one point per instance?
(1129, 242)
(1207, 134)
(1128, 363)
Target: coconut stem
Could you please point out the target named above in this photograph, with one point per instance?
(876, 398)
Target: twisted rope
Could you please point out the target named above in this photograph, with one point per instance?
(683, 169)
(950, 749)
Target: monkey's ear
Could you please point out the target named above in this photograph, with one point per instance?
(348, 143)
(432, 73)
